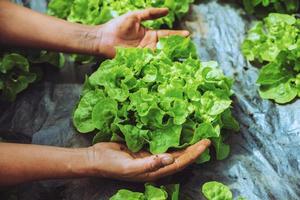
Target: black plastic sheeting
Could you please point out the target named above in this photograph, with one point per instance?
(265, 158)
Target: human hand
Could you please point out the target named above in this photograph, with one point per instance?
(113, 160)
(127, 31)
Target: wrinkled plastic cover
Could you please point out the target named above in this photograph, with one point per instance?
(265, 156)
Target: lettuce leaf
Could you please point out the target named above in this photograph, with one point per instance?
(84, 119)
(275, 42)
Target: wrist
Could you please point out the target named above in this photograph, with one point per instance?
(87, 164)
(84, 39)
(102, 41)
(91, 40)
(80, 163)
(98, 40)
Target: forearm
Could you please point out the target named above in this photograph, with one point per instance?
(20, 26)
(21, 163)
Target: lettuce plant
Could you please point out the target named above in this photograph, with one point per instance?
(158, 100)
(169, 192)
(282, 6)
(52, 58)
(15, 75)
(275, 42)
(100, 11)
(214, 190)
(17, 70)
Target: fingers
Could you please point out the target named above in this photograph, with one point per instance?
(153, 36)
(177, 153)
(141, 154)
(153, 167)
(149, 164)
(191, 154)
(188, 157)
(149, 40)
(165, 33)
(151, 13)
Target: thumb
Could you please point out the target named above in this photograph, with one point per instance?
(151, 163)
(151, 13)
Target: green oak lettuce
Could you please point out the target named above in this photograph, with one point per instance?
(282, 6)
(128, 195)
(169, 192)
(52, 58)
(17, 70)
(100, 11)
(214, 190)
(15, 75)
(275, 42)
(158, 100)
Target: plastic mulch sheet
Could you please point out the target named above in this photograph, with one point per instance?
(265, 157)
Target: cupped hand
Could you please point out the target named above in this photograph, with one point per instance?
(128, 31)
(113, 160)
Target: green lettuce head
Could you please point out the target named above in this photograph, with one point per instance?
(157, 100)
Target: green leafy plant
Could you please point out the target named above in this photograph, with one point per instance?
(211, 190)
(101, 11)
(282, 6)
(158, 100)
(15, 75)
(170, 192)
(52, 58)
(275, 42)
(217, 191)
(17, 71)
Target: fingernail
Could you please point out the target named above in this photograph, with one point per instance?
(167, 160)
(187, 33)
(206, 142)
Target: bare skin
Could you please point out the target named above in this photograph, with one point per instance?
(21, 163)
